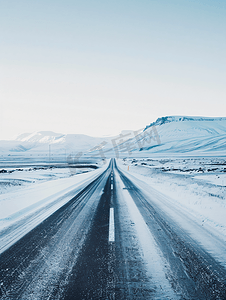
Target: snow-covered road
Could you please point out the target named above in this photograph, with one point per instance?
(116, 238)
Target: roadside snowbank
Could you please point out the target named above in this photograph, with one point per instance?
(200, 194)
(187, 202)
(137, 232)
(22, 210)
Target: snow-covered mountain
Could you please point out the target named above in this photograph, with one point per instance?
(46, 142)
(41, 137)
(175, 135)
(175, 127)
(58, 140)
(183, 134)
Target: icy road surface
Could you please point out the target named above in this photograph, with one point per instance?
(112, 241)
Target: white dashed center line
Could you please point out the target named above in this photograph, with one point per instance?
(111, 226)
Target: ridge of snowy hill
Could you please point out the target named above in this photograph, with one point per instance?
(41, 137)
(174, 127)
(182, 134)
(169, 119)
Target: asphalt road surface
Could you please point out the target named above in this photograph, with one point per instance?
(110, 242)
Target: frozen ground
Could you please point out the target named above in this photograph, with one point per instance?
(195, 185)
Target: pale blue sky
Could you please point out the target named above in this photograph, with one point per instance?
(99, 67)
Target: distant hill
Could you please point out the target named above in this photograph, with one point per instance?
(43, 141)
(188, 135)
(170, 135)
(41, 137)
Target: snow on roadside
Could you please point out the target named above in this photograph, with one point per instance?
(201, 216)
(156, 265)
(22, 210)
(197, 194)
(12, 179)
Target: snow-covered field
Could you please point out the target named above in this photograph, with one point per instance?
(15, 178)
(197, 186)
